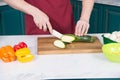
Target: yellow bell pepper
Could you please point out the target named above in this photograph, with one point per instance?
(22, 52)
(26, 58)
(24, 55)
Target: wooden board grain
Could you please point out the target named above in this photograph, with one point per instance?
(45, 46)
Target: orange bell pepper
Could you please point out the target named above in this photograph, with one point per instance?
(7, 53)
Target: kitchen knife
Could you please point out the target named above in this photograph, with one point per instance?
(56, 34)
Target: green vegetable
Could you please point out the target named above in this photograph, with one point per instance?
(74, 38)
(59, 44)
(85, 38)
(69, 38)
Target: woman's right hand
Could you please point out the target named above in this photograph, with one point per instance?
(42, 21)
(40, 18)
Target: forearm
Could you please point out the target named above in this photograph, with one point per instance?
(40, 19)
(23, 6)
(87, 6)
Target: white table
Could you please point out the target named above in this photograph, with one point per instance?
(56, 66)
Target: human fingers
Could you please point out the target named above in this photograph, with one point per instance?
(78, 29)
(87, 28)
(49, 27)
(44, 27)
(82, 27)
(38, 23)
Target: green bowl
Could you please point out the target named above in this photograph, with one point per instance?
(112, 51)
(107, 40)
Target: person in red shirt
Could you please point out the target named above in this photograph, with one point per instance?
(44, 15)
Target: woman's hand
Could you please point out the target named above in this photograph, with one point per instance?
(40, 18)
(42, 21)
(81, 28)
(83, 24)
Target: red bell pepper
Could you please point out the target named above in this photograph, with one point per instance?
(19, 46)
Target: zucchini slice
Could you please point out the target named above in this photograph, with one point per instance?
(59, 44)
(68, 38)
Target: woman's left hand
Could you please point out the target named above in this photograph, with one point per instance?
(81, 28)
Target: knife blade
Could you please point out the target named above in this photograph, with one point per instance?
(57, 34)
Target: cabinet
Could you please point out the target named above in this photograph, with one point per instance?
(111, 18)
(104, 18)
(11, 21)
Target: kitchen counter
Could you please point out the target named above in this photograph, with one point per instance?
(108, 2)
(87, 65)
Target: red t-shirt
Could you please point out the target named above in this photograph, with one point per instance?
(59, 13)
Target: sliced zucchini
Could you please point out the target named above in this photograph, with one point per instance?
(59, 44)
(67, 38)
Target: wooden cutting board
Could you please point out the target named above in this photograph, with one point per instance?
(45, 46)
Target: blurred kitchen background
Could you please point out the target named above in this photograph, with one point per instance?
(105, 17)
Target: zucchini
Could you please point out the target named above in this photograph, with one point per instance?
(67, 38)
(85, 38)
(59, 44)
